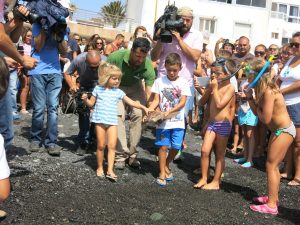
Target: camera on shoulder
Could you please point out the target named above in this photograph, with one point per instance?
(166, 23)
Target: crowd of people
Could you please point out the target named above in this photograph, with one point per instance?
(145, 76)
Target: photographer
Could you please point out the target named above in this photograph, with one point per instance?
(86, 65)
(45, 85)
(187, 43)
(226, 45)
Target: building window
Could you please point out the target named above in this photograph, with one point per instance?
(225, 1)
(284, 41)
(294, 14)
(274, 35)
(208, 25)
(256, 3)
(290, 13)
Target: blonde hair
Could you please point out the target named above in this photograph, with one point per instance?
(106, 71)
(264, 81)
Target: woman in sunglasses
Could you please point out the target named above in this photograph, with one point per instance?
(260, 51)
(289, 81)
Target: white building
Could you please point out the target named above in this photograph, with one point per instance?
(263, 21)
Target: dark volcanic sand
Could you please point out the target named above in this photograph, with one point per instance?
(65, 190)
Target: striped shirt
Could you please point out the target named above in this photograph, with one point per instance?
(106, 111)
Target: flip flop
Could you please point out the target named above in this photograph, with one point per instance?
(170, 177)
(264, 209)
(240, 160)
(161, 182)
(111, 178)
(100, 174)
(294, 182)
(247, 165)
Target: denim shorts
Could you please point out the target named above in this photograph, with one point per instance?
(172, 138)
(294, 112)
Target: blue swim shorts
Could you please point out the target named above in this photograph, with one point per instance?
(172, 138)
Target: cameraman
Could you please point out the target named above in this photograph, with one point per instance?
(187, 43)
(45, 85)
(13, 58)
(86, 65)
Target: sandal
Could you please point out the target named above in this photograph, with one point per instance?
(263, 199)
(294, 182)
(112, 178)
(264, 209)
(161, 182)
(170, 177)
(100, 174)
(247, 165)
(240, 160)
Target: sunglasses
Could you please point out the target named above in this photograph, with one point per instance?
(259, 53)
(99, 43)
(294, 44)
(272, 49)
(77, 39)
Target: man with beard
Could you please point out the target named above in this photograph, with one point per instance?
(135, 67)
(243, 49)
(188, 44)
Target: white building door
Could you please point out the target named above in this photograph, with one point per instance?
(242, 29)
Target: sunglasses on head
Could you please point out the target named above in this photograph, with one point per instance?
(294, 44)
(259, 52)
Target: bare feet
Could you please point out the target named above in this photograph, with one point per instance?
(200, 184)
(285, 176)
(211, 186)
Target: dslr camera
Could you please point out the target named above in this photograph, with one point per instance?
(166, 23)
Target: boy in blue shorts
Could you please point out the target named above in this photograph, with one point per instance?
(170, 94)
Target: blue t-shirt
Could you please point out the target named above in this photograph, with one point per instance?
(48, 56)
(106, 107)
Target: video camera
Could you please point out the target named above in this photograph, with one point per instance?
(166, 23)
(50, 14)
(13, 6)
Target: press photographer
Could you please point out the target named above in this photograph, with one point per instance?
(49, 39)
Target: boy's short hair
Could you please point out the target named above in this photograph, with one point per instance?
(172, 59)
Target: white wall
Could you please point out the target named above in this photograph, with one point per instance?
(226, 15)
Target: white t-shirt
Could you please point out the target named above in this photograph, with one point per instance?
(289, 76)
(4, 169)
(170, 93)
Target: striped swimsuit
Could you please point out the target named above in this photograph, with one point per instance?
(222, 128)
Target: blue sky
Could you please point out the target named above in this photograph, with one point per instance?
(92, 5)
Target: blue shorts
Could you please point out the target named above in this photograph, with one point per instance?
(172, 138)
(247, 118)
(294, 113)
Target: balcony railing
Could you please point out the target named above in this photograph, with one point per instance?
(279, 15)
